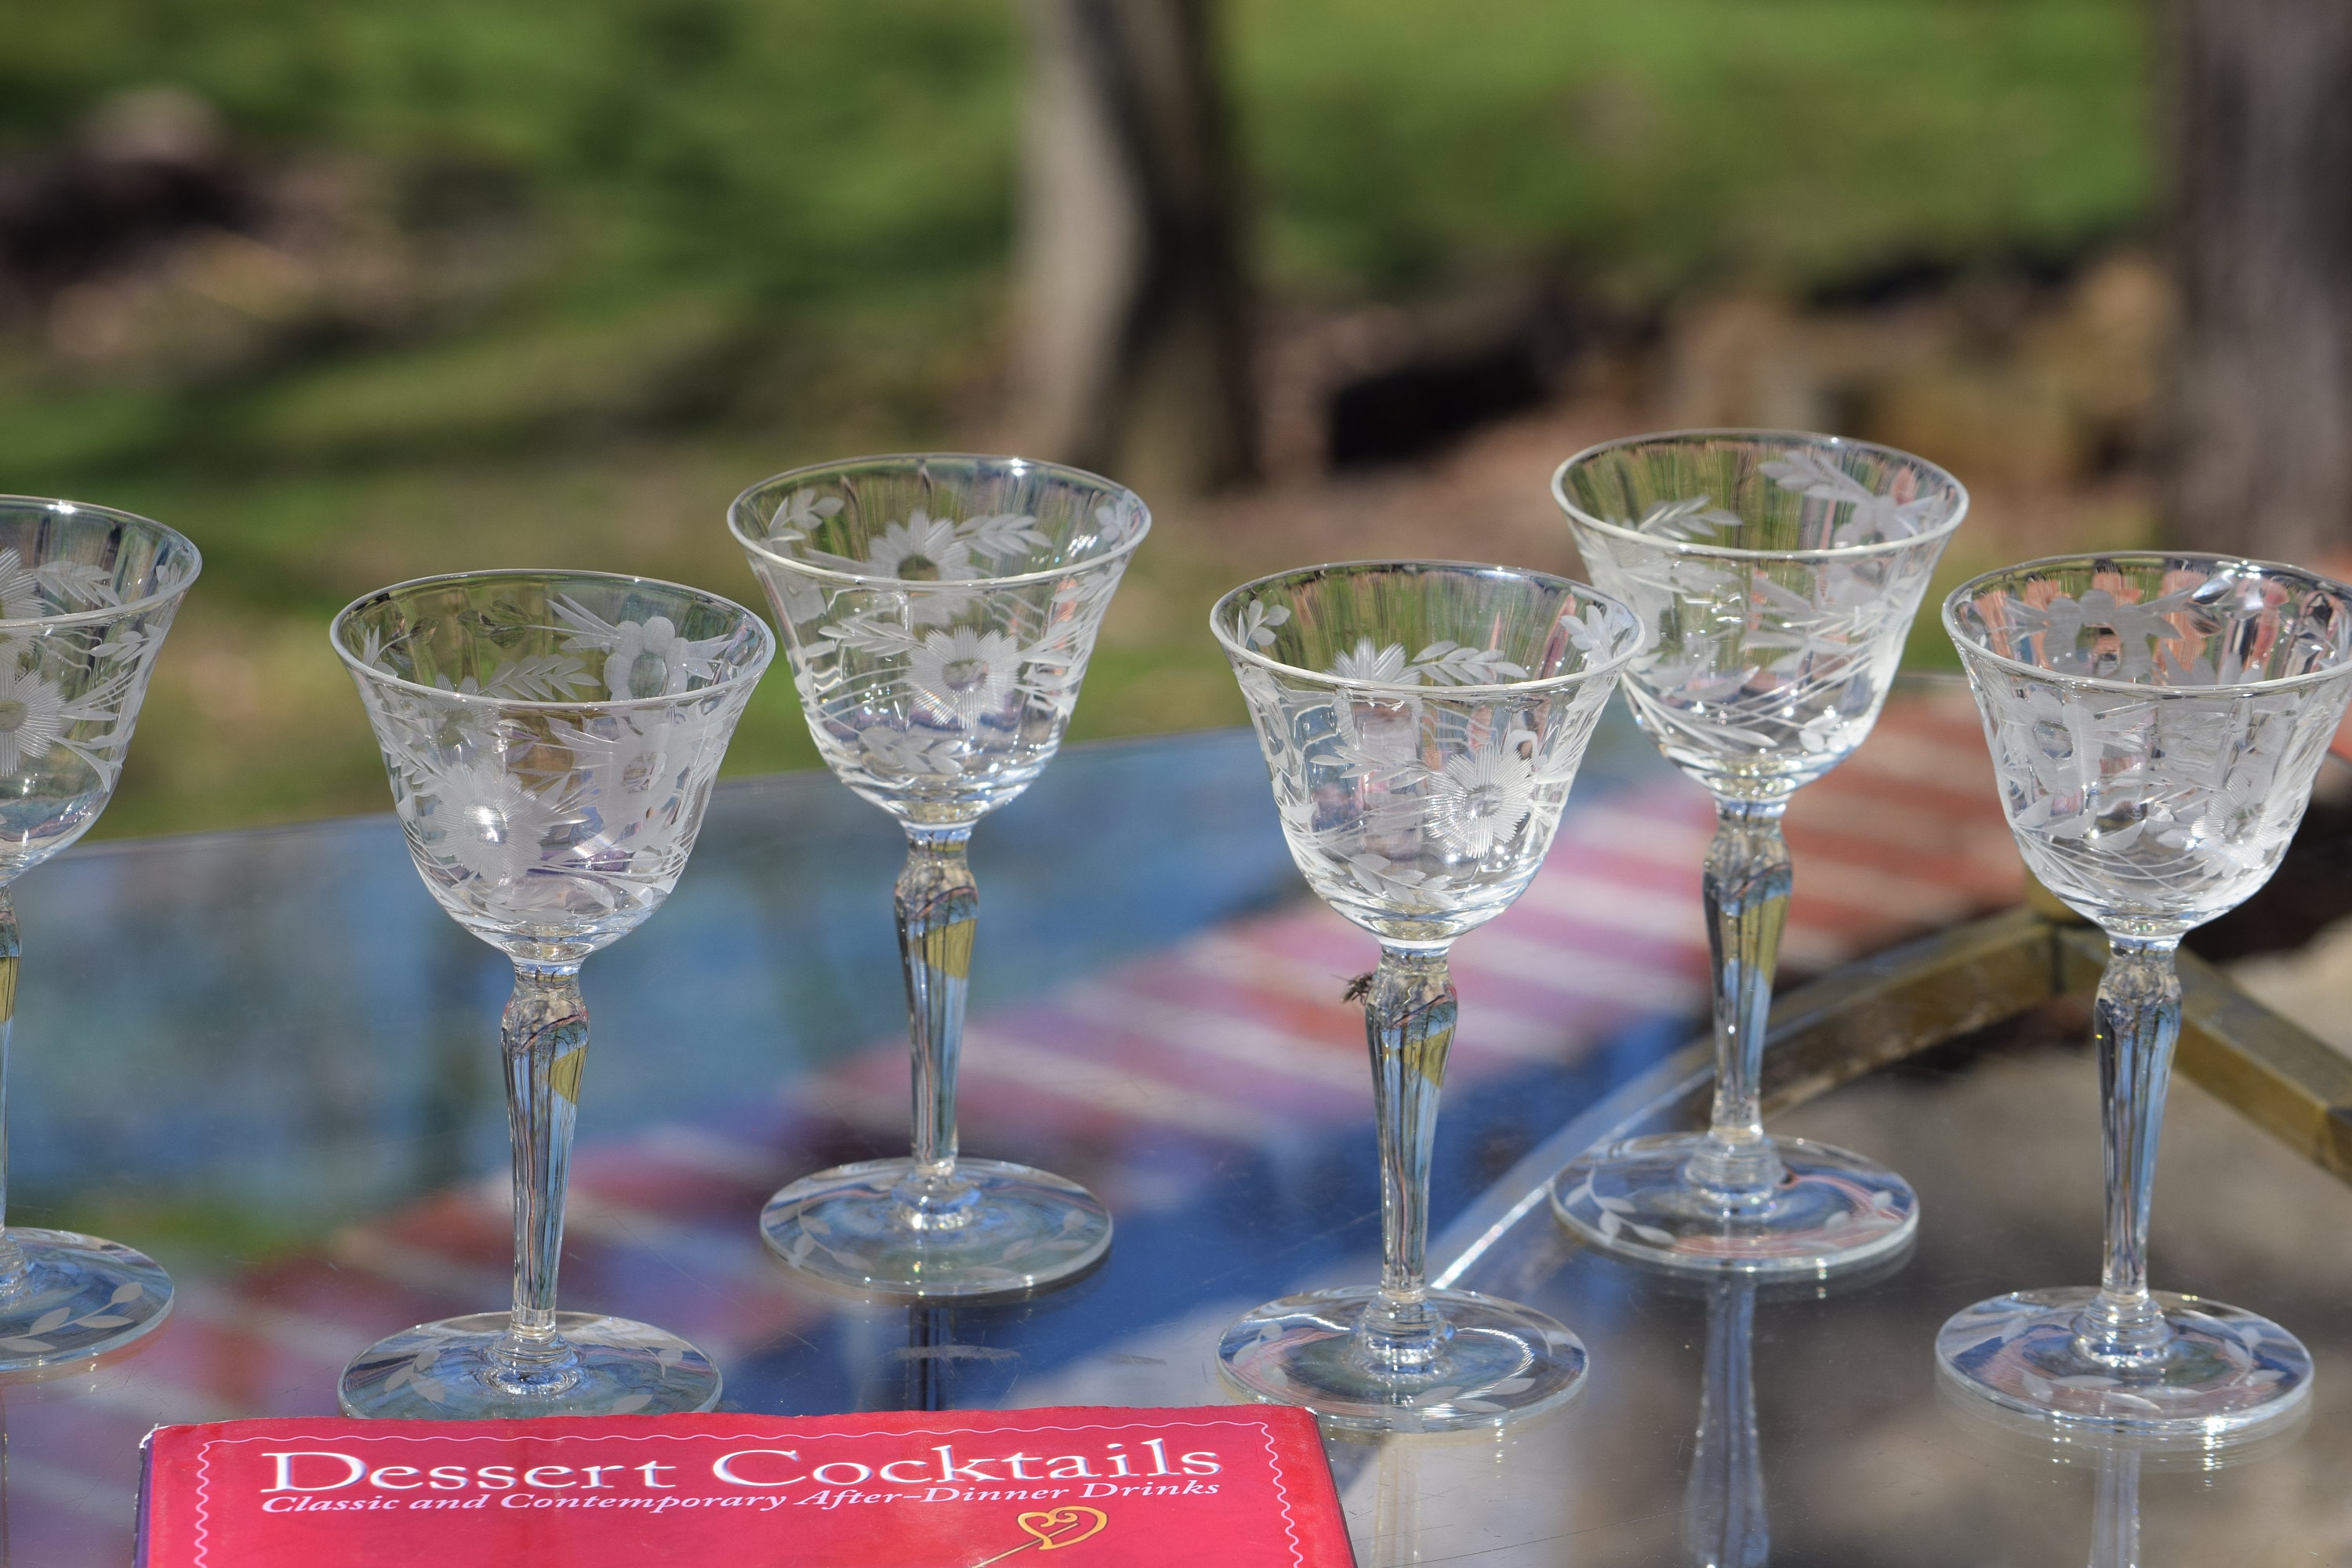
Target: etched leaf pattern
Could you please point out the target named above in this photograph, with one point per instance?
(2173, 800)
(555, 828)
(1768, 672)
(70, 690)
(54, 1331)
(570, 823)
(2014, 1344)
(1901, 513)
(940, 682)
(1419, 810)
(53, 588)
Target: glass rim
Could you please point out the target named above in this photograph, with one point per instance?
(108, 612)
(744, 676)
(1599, 668)
(1577, 514)
(738, 508)
(1970, 648)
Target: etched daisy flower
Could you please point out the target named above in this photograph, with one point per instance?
(32, 718)
(1362, 662)
(965, 674)
(20, 591)
(648, 659)
(1482, 798)
(497, 828)
(923, 549)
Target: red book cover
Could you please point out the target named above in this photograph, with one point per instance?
(1245, 1487)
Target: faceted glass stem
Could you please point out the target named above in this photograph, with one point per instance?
(2136, 1020)
(12, 1257)
(1409, 1018)
(2123, 1358)
(532, 1359)
(934, 1223)
(938, 906)
(1724, 1520)
(1746, 887)
(1731, 1199)
(545, 1031)
(1402, 1356)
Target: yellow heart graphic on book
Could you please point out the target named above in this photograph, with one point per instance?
(1060, 1527)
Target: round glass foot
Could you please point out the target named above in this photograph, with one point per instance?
(990, 1229)
(2224, 1370)
(77, 1298)
(1498, 1361)
(1830, 1210)
(446, 1372)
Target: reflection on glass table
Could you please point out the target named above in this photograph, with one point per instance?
(279, 1089)
(1726, 1520)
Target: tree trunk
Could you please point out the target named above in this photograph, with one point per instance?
(1134, 346)
(2261, 214)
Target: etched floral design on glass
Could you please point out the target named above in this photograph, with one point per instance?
(1422, 724)
(2157, 722)
(939, 611)
(551, 739)
(1778, 576)
(86, 596)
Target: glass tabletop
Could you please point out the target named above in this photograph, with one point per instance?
(270, 1060)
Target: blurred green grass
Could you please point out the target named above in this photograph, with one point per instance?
(772, 231)
(1783, 142)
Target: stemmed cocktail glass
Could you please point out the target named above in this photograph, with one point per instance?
(86, 596)
(2157, 720)
(1421, 722)
(939, 611)
(551, 737)
(1778, 576)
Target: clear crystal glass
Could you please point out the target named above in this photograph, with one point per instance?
(1421, 722)
(939, 611)
(1778, 576)
(2157, 722)
(86, 596)
(551, 739)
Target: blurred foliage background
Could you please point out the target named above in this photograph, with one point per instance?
(434, 285)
